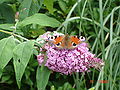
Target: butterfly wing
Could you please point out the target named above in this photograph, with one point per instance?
(76, 41)
(57, 40)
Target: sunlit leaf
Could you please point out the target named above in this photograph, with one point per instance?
(40, 19)
(66, 86)
(93, 88)
(49, 5)
(22, 54)
(52, 88)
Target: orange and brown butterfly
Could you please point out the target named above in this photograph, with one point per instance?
(66, 41)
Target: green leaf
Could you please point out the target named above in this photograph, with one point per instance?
(35, 6)
(24, 9)
(6, 14)
(29, 7)
(35, 31)
(49, 5)
(7, 27)
(42, 77)
(5, 78)
(66, 86)
(6, 50)
(20, 1)
(62, 5)
(40, 19)
(35, 51)
(2, 1)
(22, 54)
(52, 88)
(93, 88)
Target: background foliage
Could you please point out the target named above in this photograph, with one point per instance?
(22, 21)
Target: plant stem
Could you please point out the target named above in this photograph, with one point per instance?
(102, 33)
(10, 33)
(77, 81)
(82, 16)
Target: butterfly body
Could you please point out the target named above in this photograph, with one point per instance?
(65, 41)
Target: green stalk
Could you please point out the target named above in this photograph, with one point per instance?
(106, 29)
(102, 32)
(101, 28)
(77, 81)
(99, 78)
(105, 4)
(82, 16)
(87, 19)
(111, 55)
(97, 35)
(69, 14)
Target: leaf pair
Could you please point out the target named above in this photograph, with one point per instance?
(21, 55)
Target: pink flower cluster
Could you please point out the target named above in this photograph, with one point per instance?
(68, 61)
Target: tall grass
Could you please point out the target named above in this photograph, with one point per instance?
(106, 44)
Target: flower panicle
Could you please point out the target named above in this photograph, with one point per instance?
(68, 61)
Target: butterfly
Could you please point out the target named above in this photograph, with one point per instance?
(66, 41)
